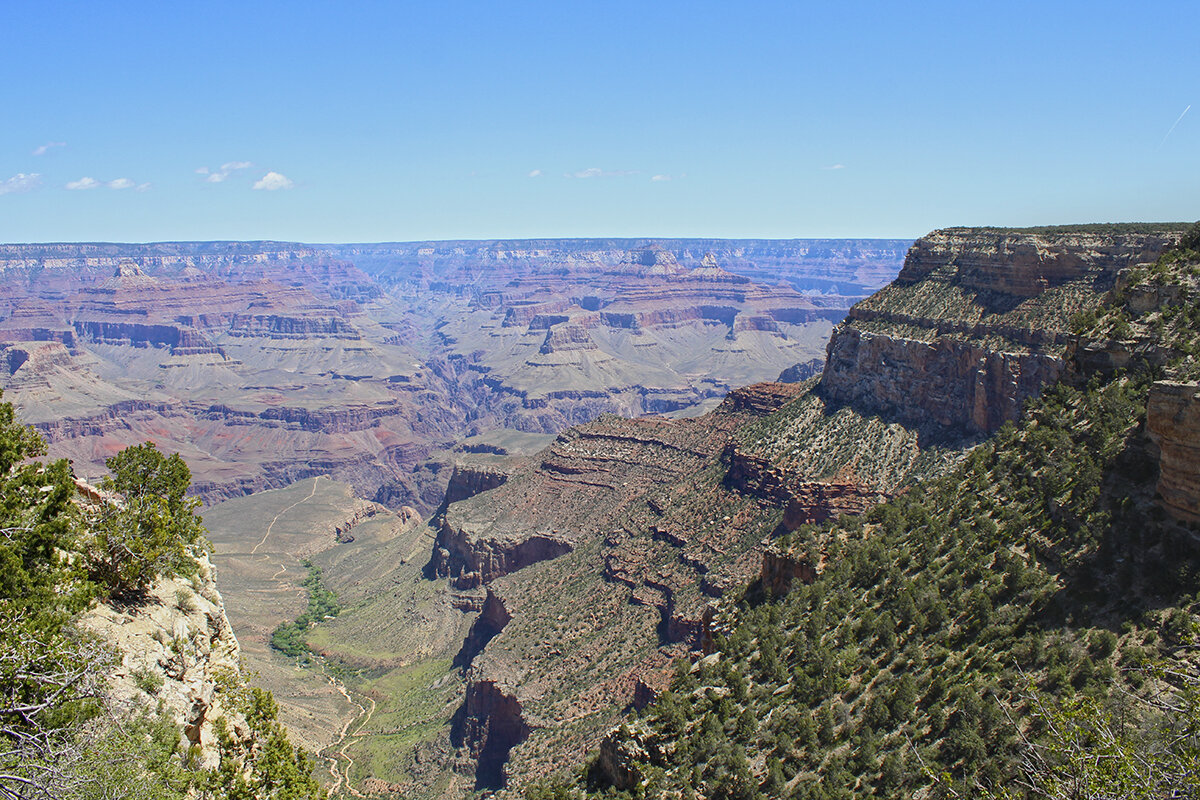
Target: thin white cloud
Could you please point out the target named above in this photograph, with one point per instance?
(835, 166)
(537, 173)
(21, 182)
(117, 183)
(273, 181)
(41, 150)
(82, 184)
(596, 172)
(226, 169)
(142, 187)
(660, 178)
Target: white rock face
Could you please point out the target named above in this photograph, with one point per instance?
(175, 648)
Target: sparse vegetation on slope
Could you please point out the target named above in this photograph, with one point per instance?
(1027, 620)
(61, 734)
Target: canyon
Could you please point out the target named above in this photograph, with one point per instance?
(558, 586)
(536, 473)
(264, 363)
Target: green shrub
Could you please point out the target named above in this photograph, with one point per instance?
(154, 531)
(148, 680)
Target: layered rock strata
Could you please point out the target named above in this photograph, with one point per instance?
(1173, 422)
(976, 323)
(266, 362)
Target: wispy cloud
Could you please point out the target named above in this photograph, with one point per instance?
(21, 182)
(537, 173)
(41, 150)
(596, 172)
(835, 166)
(82, 184)
(224, 171)
(661, 178)
(117, 183)
(273, 181)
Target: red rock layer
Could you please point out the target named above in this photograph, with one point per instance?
(1173, 420)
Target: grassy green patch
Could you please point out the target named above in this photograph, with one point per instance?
(289, 637)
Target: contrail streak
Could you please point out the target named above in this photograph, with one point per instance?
(1172, 128)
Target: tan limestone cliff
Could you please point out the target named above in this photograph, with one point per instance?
(977, 322)
(176, 649)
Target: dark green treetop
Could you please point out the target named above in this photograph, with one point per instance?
(153, 531)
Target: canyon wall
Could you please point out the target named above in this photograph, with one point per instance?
(977, 322)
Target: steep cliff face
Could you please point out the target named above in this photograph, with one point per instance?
(1027, 263)
(976, 323)
(470, 479)
(177, 650)
(1173, 421)
(489, 725)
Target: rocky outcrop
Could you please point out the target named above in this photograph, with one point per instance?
(567, 337)
(782, 570)
(797, 373)
(487, 726)
(976, 323)
(1173, 421)
(470, 561)
(810, 502)
(343, 532)
(468, 480)
(804, 501)
(493, 616)
(114, 417)
(327, 420)
(177, 649)
(618, 761)
(762, 398)
(180, 340)
(275, 326)
(952, 383)
(1025, 264)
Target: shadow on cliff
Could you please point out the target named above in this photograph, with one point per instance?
(488, 725)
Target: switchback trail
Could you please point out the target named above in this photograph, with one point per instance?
(337, 750)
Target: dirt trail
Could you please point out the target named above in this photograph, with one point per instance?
(337, 751)
(284, 511)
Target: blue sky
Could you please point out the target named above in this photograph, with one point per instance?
(361, 121)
